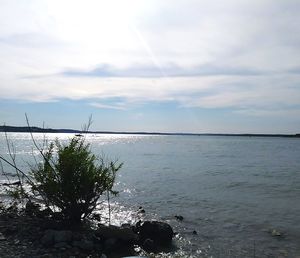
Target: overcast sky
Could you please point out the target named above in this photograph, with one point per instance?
(146, 65)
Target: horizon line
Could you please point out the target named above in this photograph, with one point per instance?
(36, 129)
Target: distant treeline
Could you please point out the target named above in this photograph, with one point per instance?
(34, 129)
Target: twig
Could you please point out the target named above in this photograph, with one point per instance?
(37, 147)
(108, 201)
(12, 165)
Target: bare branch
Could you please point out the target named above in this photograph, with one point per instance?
(19, 170)
(36, 145)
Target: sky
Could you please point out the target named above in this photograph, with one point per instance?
(194, 66)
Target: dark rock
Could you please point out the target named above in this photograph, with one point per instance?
(63, 236)
(13, 183)
(179, 217)
(44, 213)
(126, 225)
(48, 238)
(45, 256)
(32, 208)
(141, 210)
(137, 226)
(149, 245)
(10, 230)
(85, 245)
(194, 232)
(57, 216)
(98, 246)
(96, 216)
(76, 243)
(50, 224)
(77, 235)
(111, 244)
(160, 232)
(96, 239)
(61, 245)
(124, 233)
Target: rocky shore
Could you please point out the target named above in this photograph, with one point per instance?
(32, 232)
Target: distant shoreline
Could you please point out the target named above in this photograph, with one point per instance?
(34, 129)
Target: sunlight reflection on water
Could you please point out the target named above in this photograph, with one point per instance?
(230, 190)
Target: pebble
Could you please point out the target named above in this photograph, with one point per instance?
(2, 237)
(276, 233)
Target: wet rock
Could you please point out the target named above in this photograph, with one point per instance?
(179, 217)
(10, 230)
(62, 245)
(149, 245)
(44, 213)
(76, 243)
(160, 232)
(96, 216)
(32, 208)
(126, 225)
(57, 216)
(48, 238)
(141, 211)
(98, 246)
(125, 234)
(110, 244)
(77, 235)
(46, 256)
(50, 224)
(85, 245)
(276, 233)
(52, 237)
(63, 236)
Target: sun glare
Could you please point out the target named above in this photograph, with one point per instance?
(95, 22)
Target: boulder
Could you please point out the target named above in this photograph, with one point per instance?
(160, 232)
(125, 234)
(85, 245)
(149, 245)
(61, 245)
(63, 236)
(111, 244)
(52, 237)
(48, 238)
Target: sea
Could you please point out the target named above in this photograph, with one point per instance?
(239, 196)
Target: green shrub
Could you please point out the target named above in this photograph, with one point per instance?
(72, 178)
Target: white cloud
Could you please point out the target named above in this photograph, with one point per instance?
(39, 40)
(118, 106)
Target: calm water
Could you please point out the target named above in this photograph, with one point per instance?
(232, 190)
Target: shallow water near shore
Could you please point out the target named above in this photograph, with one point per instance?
(233, 191)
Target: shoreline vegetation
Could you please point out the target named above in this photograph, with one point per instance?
(52, 207)
(34, 129)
